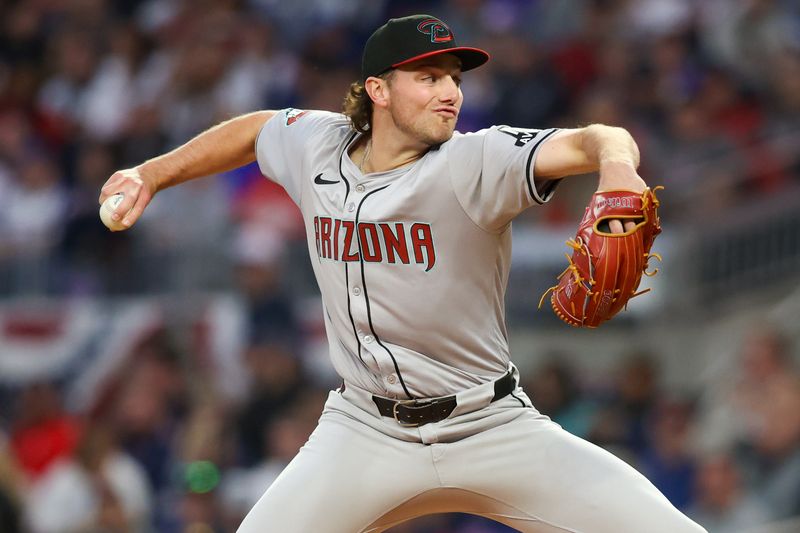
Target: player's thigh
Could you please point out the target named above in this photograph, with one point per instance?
(344, 478)
(545, 479)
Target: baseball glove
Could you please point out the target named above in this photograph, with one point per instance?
(605, 268)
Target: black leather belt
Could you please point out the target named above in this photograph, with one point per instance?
(413, 413)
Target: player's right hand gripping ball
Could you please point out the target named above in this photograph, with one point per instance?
(605, 268)
(107, 210)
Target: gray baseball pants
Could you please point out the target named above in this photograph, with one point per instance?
(361, 472)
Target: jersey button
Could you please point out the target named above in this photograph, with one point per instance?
(351, 207)
(392, 379)
(368, 339)
(360, 188)
(356, 291)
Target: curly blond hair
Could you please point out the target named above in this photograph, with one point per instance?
(357, 105)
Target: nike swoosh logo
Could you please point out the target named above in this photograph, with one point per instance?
(319, 181)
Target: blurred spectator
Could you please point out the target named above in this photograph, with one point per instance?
(557, 22)
(732, 409)
(63, 96)
(677, 73)
(35, 206)
(300, 20)
(757, 413)
(182, 232)
(722, 504)
(30, 216)
(731, 110)
(658, 17)
(200, 512)
(101, 488)
(700, 157)
(785, 84)
(188, 105)
(146, 405)
(529, 91)
(200, 450)
(260, 255)
(667, 461)
(97, 260)
(42, 433)
(747, 35)
(771, 461)
(268, 220)
(557, 394)
(277, 380)
(622, 422)
(11, 490)
(283, 437)
(781, 127)
(117, 86)
(261, 75)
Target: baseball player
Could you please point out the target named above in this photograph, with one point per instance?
(409, 231)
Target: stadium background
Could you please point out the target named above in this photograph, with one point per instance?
(159, 379)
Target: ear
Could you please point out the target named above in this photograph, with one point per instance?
(378, 91)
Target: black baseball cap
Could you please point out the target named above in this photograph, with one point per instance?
(406, 39)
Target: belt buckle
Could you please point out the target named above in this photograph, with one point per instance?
(398, 403)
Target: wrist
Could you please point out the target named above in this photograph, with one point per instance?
(153, 176)
(619, 174)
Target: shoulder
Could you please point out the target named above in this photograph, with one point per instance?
(459, 138)
(310, 123)
(292, 117)
(494, 134)
(462, 143)
(463, 154)
(468, 146)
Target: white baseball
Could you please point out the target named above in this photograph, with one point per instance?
(107, 209)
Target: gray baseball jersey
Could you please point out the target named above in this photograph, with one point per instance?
(412, 263)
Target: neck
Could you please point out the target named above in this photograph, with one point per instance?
(390, 149)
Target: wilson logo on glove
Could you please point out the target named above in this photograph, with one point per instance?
(615, 202)
(605, 268)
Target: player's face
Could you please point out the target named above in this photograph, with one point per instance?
(425, 98)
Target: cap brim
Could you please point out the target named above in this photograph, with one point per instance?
(470, 57)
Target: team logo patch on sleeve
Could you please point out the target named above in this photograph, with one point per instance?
(293, 115)
(523, 136)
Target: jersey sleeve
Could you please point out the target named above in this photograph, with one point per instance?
(284, 141)
(492, 173)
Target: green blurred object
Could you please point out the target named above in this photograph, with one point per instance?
(201, 476)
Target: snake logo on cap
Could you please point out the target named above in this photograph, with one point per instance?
(437, 29)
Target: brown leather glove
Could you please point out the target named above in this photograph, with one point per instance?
(605, 268)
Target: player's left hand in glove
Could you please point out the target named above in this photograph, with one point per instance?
(605, 268)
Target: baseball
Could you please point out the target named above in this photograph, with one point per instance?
(107, 209)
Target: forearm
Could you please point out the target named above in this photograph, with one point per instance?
(607, 144)
(224, 147)
(614, 154)
(607, 149)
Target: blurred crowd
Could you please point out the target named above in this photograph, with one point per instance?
(709, 88)
(160, 450)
